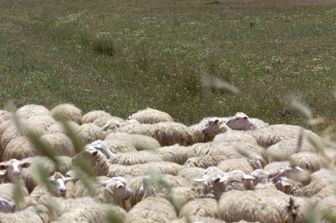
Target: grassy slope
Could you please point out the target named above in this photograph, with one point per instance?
(124, 55)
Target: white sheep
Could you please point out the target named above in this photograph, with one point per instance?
(68, 111)
(4, 116)
(306, 160)
(208, 128)
(13, 132)
(59, 143)
(59, 127)
(133, 158)
(86, 209)
(204, 207)
(58, 188)
(30, 110)
(285, 148)
(92, 116)
(176, 153)
(152, 209)
(19, 148)
(140, 142)
(235, 136)
(151, 116)
(205, 161)
(264, 205)
(7, 206)
(236, 164)
(11, 170)
(89, 132)
(118, 146)
(167, 133)
(319, 180)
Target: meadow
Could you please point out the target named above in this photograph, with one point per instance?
(125, 55)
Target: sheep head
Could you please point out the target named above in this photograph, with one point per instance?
(240, 121)
(11, 170)
(7, 206)
(214, 127)
(58, 182)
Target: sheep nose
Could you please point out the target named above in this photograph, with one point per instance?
(62, 192)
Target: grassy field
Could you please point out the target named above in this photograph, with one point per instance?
(125, 55)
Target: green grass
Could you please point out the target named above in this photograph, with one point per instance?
(125, 55)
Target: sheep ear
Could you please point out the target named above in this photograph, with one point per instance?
(216, 121)
(199, 180)
(120, 185)
(3, 166)
(248, 177)
(94, 153)
(223, 179)
(67, 179)
(25, 164)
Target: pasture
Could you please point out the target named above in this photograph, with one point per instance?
(125, 55)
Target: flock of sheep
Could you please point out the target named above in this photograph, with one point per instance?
(149, 168)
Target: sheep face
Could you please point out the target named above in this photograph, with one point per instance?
(12, 169)
(214, 127)
(6, 206)
(58, 182)
(117, 187)
(239, 122)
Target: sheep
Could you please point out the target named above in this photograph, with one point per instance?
(306, 160)
(19, 148)
(151, 116)
(7, 206)
(288, 186)
(13, 132)
(107, 190)
(86, 209)
(92, 116)
(89, 132)
(191, 173)
(118, 146)
(326, 207)
(44, 121)
(207, 129)
(235, 136)
(30, 214)
(152, 209)
(59, 128)
(217, 181)
(176, 153)
(12, 170)
(203, 207)
(283, 132)
(236, 164)
(58, 187)
(132, 158)
(4, 116)
(167, 133)
(264, 205)
(140, 142)
(28, 111)
(108, 123)
(182, 195)
(29, 175)
(60, 143)
(198, 219)
(319, 180)
(240, 121)
(205, 161)
(7, 192)
(288, 147)
(68, 111)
